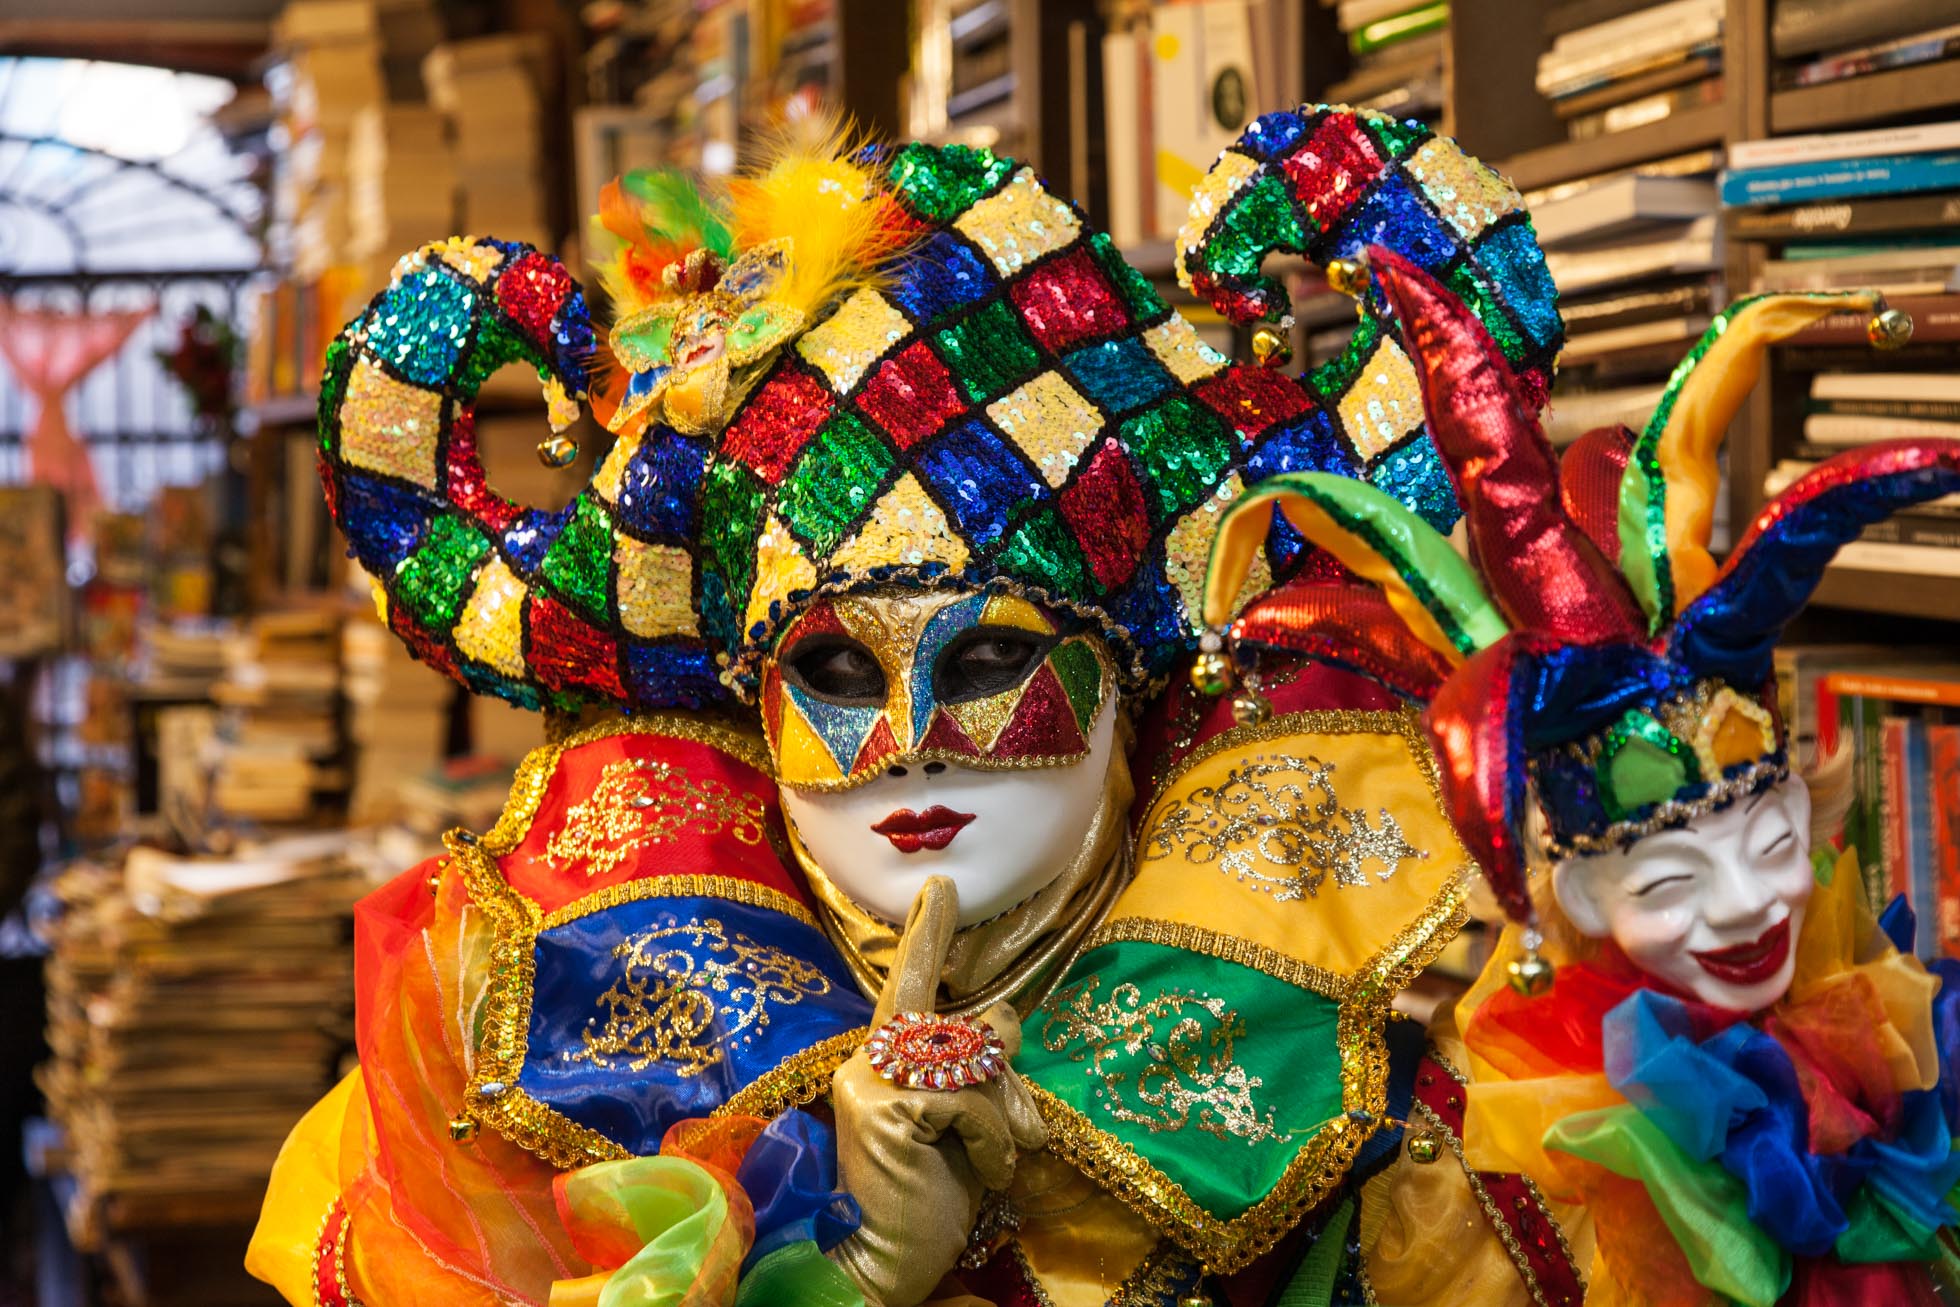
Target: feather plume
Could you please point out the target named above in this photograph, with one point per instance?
(845, 227)
(650, 219)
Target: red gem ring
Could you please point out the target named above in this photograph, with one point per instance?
(923, 1050)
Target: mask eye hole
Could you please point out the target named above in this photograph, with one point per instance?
(986, 661)
(837, 669)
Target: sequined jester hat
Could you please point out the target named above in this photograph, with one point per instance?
(1591, 653)
(859, 368)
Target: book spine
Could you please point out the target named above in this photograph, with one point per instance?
(1892, 174)
(1895, 836)
(1645, 26)
(1391, 31)
(1943, 787)
(1843, 430)
(1920, 854)
(1935, 320)
(1827, 146)
(1932, 410)
(1888, 688)
(1848, 217)
(1940, 532)
(1900, 54)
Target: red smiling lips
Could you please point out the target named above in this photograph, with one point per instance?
(911, 831)
(1752, 963)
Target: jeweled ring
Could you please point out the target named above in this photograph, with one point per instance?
(923, 1050)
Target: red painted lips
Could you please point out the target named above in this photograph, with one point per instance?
(911, 831)
(1753, 963)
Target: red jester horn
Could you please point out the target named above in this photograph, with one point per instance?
(1539, 567)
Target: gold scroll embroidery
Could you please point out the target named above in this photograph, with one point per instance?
(641, 802)
(1278, 827)
(1193, 1067)
(671, 1006)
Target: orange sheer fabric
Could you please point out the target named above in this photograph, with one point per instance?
(49, 352)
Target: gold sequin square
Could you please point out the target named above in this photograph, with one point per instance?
(1212, 194)
(1178, 347)
(656, 588)
(1468, 195)
(1385, 402)
(1187, 551)
(390, 426)
(491, 629)
(1019, 223)
(1050, 422)
(864, 328)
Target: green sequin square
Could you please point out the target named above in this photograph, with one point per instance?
(1259, 219)
(835, 481)
(1337, 375)
(433, 582)
(1398, 138)
(333, 386)
(1081, 678)
(942, 182)
(1042, 551)
(1471, 290)
(495, 346)
(1135, 288)
(731, 509)
(989, 351)
(1182, 450)
(579, 563)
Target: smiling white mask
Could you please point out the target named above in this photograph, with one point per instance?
(1712, 908)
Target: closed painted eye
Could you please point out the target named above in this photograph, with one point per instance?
(837, 669)
(1659, 882)
(987, 661)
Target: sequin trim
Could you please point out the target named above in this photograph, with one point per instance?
(800, 1078)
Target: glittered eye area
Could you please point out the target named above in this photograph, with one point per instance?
(836, 669)
(988, 660)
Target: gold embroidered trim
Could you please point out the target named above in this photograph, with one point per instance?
(746, 892)
(642, 803)
(1162, 1273)
(1493, 1216)
(1226, 948)
(798, 1079)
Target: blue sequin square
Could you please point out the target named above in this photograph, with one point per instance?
(1395, 215)
(943, 275)
(1120, 375)
(1152, 611)
(490, 682)
(1510, 257)
(531, 536)
(419, 326)
(1272, 134)
(1414, 473)
(661, 486)
(1308, 443)
(677, 673)
(1284, 543)
(980, 479)
(383, 519)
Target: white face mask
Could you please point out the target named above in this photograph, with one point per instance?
(1002, 835)
(1712, 908)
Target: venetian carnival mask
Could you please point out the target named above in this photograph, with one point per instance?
(921, 734)
(1712, 908)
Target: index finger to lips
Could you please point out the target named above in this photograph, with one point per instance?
(913, 983)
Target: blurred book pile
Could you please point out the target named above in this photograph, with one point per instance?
(494, 90)
(1816, 42)
(1396, 57)
(398, 718)
(1618, 65)
(275, 758)
(196, 1009)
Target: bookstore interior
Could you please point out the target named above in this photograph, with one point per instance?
(541, 525)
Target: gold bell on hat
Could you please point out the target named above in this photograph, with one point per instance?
(1424, 1147)
(1211, 673)
(462, 1129)
(1531, 975)
(557, 451)
(1271, 346)
(1889, 328)
(1251, 708)
(1349, 277)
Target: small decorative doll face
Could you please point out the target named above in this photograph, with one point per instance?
(1712, 908)
(960, 735)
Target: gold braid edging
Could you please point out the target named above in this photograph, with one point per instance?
(797, 1079)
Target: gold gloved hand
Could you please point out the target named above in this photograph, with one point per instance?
(917, 1160)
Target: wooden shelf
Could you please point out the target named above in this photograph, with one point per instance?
(1693, 129)
(1904, 593)
(1890, 94)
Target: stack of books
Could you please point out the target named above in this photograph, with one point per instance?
(398, 717)
(331, 71)
(1820, 41)
(275, 758)
(402, 184)
(196, 1008)
(1615, 65)
(495, 91)
(1635, 255)
(1397, 52)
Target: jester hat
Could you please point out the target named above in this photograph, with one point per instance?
(1589, 651)
(862, 368)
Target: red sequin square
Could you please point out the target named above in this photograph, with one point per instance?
(420, 643)
(1069, 300)
(777, 423)
(1252, 400)
(531, 291)
(911, 395)
(466, 485)
(569, 653)
(1105, 509)
(1333, 168)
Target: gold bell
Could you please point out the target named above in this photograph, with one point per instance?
(1889, 328)
(1424, 1147)
(1211, 673)
(1347, 276)
(1531, 975)
(1271, 347)
(1195, 1300)
(557, 451)
(1250, 708)
(462, 1129)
